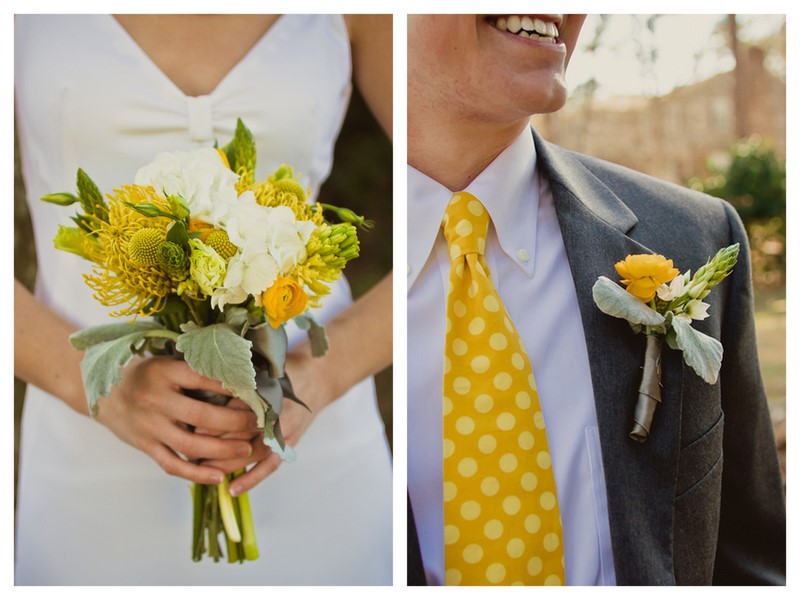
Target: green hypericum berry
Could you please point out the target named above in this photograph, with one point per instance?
(143, 246)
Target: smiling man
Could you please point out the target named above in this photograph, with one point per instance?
(522, 385)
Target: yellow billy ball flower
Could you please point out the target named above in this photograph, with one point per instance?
(220, 242)
(643, 273)
(143, 246)
(283, 300)
(291, 186)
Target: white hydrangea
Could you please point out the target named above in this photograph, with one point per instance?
(199, 177)
(270, 241)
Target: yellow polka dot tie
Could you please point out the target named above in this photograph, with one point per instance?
(501, 520)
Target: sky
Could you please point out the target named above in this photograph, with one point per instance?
(688, 50)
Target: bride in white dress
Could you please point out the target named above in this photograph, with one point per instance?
(107, 94)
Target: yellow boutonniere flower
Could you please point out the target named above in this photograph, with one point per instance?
(644, 273)
(283, 300)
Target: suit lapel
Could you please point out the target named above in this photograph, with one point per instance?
(598, 229)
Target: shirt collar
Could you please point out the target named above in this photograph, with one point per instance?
(508, 188)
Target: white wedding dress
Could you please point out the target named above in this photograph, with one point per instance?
(93, 510)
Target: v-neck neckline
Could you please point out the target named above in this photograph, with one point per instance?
(138, 49)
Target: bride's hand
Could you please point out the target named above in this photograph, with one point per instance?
(313, 388)
(148, 411)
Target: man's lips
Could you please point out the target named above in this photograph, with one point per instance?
(527, 27)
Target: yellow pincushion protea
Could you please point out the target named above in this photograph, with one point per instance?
(120, 279)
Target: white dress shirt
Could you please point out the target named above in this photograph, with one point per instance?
(528, 263)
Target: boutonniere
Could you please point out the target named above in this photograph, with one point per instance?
(661, 303)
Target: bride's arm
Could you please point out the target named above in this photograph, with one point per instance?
(144, 409)
(371, 43)
(361, 335)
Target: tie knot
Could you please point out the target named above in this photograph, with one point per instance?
(465, 224)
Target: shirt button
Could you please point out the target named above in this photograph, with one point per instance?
(523, 255)
(408, 269)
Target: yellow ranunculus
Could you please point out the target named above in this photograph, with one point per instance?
(643, 273)
(283, 300)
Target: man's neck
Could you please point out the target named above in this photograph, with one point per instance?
(454, 151)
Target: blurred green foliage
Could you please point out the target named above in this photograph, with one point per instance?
(753, 179)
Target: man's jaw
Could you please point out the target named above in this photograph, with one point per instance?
(526, 26)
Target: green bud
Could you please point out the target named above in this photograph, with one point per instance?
(90, 196)
(713, 272)
(696, 289)
(178, 207)
(173, 260)
(348, 216)
(283, 172)
(71, 239)
(350, 253)
(61, 198)
(149, 210)
(337, 238)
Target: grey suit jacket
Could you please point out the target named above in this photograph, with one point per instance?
(701, 501)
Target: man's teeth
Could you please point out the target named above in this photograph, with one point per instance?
(528, 27)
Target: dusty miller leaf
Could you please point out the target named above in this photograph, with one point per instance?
(317, 336)
(218, 352)
(700, 351)
(615, 301)
(83, 339)
(272, 344)
(102, 365)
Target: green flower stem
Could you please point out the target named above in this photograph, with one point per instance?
(233, 550)
(193, 310)
(226, 512)
(214, 551)
(236, 549)
(198, 521)
(248, 529)
(162, 333)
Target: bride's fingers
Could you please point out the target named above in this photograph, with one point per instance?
(227, 435)
(195, 446)
(172, 464)
(258, 473)
(260, 452)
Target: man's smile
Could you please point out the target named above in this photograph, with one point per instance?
(527, 27)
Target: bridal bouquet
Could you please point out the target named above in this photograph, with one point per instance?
(221, 262)
(661, 303)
